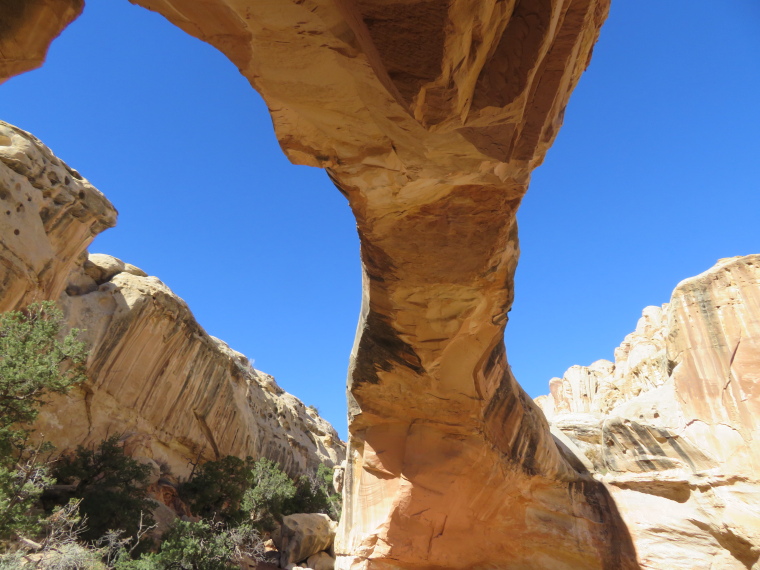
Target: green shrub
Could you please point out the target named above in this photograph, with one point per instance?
(216, 489)
(59, 547)
(20, 488)
(204, 545)
(234, 490)
(267, 498)
(33, 364)
(314, 494)
(111, 486)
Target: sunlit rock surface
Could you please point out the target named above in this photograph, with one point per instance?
(177, 394)
(672, 427)
(155, 373)
(49, 214)
(429, 116)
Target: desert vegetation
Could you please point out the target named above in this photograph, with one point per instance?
(91, 508)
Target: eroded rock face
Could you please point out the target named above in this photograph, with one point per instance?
(49, 214)
(672, 427)
(641, 364)
(177, 394)
(429, 116)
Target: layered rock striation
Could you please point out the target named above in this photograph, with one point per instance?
(429, 116)
(177, 394)
(671, 427)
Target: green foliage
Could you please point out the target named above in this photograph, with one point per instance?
(315, 494)
(217, 487)
(233, 490)
(203, 545)
(111, 486)
(33, 364)
(20, 487)
(267, 498)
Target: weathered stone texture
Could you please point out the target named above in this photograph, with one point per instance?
(49, 214)
(304, 536)
(641, 363)
(429, 116)
(671, 428)
(177, 394)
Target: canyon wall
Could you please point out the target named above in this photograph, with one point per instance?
(672, 427)
(429, 116)
(176, 394)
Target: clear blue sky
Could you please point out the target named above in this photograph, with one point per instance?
(653, 177)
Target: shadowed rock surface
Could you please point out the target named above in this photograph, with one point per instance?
(429, 116)
(671, 427)
(26, 29)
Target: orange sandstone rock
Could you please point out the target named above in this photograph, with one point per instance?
(429, 116)
(181, 394)
(26, 29)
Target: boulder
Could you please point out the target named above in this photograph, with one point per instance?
(304, 535)
(320, 561)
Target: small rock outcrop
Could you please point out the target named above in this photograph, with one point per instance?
(49, 214)
(672, 427)
(177, 394)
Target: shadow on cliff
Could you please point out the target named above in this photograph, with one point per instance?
(517, 427)
(614, 539)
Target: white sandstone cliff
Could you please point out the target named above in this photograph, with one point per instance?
(672, 427)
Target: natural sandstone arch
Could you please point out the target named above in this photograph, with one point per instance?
(429, 116)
